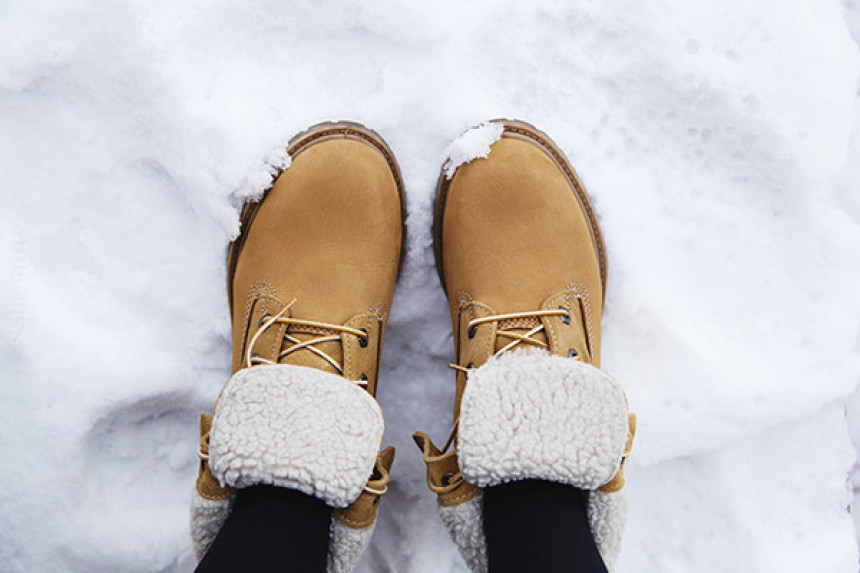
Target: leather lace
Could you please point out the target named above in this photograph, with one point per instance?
(516, 337)
(252, 359)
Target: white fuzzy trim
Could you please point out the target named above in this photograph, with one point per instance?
(346, 545)
(207, 517)
(465, 524)
(531, 415)
(295, 427)
(607, 515)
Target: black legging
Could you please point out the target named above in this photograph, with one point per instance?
(531, 525)
(271, 529)
(535, 525)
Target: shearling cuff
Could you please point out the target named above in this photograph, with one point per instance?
(535, 416)
(295, 427)
(299, 428)
(541, 417)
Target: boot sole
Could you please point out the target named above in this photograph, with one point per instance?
(298, 143)
(513, 128)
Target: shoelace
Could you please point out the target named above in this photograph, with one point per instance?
(516, 337)
(251, 359)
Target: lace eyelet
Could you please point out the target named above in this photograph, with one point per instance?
(363, 377)
(566, 318)
(263, 319)
(473, 330)
(572, 353)
(362, 341)
(470, 365)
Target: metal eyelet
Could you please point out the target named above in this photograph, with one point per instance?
(566, 318)
(362, 341)
(473, 330)
(263, 319)
(572, 353)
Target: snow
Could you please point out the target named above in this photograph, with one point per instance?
(720, 143)
(473, 144)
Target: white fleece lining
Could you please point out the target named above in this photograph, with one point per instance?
(346, 545)
(465, 525)
(207, 517)
(607, 515)
(533, 415)
(295, 427)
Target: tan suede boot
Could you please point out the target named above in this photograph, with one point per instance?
(310, 282)
(522, 261)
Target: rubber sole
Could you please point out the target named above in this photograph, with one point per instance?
(311, 136)
(517, 129)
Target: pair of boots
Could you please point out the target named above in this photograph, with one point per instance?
(310, 281)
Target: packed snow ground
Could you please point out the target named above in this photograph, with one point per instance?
(720, 142)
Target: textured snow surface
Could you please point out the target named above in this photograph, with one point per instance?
(720, 142)
(473, 144)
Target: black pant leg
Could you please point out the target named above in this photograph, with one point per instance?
(271, 529)
(539, 526)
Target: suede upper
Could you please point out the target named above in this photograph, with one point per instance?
(328, 234)
(515, 232)
(522, 261)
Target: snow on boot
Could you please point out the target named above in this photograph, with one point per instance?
(521, 258)
(310, 281)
